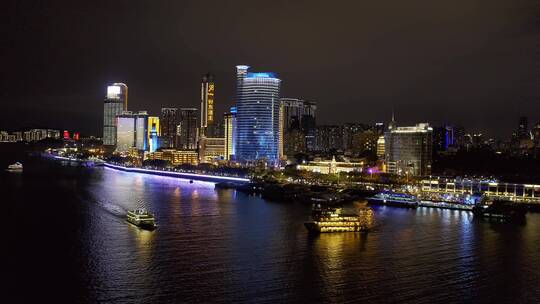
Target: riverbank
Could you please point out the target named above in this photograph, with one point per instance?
(184, 175)
(212, 242)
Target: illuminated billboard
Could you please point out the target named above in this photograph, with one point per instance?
(114, 92)
(210, 104)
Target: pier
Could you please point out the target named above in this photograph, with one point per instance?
(518, 193)
(73, 160)
(445, 205)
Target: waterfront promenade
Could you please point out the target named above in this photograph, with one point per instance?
(517, 193)
(185, 175)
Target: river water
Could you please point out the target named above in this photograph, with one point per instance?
(67, 241)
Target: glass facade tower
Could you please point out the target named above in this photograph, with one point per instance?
(168, 124)
(409, 149)
(141, 130)
(115, 104)
(186, 133)
(230, 132)
(125, 131)
(132, 131)
(257, 117)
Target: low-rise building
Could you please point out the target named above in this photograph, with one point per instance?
(332, 166)
(175, 157)
(211, 149)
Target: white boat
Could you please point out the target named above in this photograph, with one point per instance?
(16, 167)
(141, 218)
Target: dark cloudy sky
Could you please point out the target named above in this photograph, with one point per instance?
(469, 62)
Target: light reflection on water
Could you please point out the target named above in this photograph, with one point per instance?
(221, 245)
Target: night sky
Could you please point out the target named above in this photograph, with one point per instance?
(474, 63)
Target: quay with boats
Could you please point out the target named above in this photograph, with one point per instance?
(499, 211)
(395, 199)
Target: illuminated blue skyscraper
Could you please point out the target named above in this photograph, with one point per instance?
(257, 117)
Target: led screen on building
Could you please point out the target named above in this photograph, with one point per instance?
(113, 92)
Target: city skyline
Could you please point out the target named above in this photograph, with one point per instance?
(271, 152)
(468, 80)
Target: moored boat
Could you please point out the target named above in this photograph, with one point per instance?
(16, 167)
(394, 199)
(499, 210)
(141, 218)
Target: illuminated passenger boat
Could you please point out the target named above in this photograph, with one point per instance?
(327, 219)
(141, 218)
(16, 167)
(394, 199)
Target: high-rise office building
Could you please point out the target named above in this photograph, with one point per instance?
(153, 133)
(132, 131)
(536, 133)
(523, 128)
(281, 132)
(450, 136)
(207, 105)
(296, 142)
(409, 149)
(293, 110)
(444, 138)
(153, 123)
(115, 103)
(380, 147)
(141, 130)
(168, 123)
(365, 142)
(379, 127)
(329, 138)
(125, 131)
(349, 131)
(186, 135)
(459, 136)
(258, 112)
(439, 139)
(309, 127)
(296, 109)
(230, 128)
(298, 115)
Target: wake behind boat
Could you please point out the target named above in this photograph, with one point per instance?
(16, 167)
(141, 218)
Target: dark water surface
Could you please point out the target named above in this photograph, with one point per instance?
(67, 241)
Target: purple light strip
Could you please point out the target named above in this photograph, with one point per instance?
(63, 158)
(179, 174)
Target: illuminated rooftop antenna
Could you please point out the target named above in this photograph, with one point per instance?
(392, 124)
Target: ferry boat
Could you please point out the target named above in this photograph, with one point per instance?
(16, 167)
(141, 218)
(328, 219)
(394, 199)
(499, 210)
